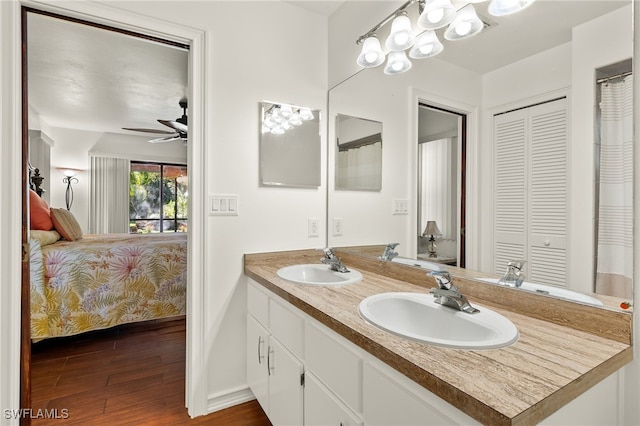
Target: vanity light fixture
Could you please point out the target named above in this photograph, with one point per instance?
(281, 117)
(433, 15)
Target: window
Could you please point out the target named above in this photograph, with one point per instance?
(158, 198)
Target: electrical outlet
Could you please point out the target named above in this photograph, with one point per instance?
(313, 227)
(337, 226)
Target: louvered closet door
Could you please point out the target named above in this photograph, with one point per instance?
(510, 188)
(531, 191)
(548, 193)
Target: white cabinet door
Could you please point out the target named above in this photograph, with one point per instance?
(285, 386)
(257, 374)
(322, 408)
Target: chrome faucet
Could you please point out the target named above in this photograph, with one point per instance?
(333, 261)
(514, 275)
(448, 295)
(389, 253)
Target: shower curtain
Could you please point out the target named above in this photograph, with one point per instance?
(438, 185)
(615, 217)
(359, 167)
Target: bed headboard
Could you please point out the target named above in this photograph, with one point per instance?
(35, 180)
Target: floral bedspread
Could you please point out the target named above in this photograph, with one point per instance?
(105, 280)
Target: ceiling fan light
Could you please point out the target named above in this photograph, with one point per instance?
(397, 63)
(465, 24)
(426, 45)
(507, 7)
(371, 54)
(401, 36)
(436, 14)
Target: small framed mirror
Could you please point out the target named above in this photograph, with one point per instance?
(358, 153)
(289, 145)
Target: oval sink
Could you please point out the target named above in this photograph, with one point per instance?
(419, 263)
(318, 274)
(416, 316)
(554, 291)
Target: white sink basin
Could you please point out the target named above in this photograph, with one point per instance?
(550, 290)
(416, 316)
(318, 274)
(418, 262)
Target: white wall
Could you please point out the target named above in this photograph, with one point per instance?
(263, 50)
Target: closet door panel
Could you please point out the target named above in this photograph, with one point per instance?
(510, 131)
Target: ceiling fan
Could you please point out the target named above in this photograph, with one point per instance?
(178, 125)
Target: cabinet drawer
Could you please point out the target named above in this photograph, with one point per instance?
(258, 303)
(287, 326)
(335, 364)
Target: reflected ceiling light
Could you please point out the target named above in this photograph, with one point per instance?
(401, 36)
(426, 45)
(279, 118)
(507, 7)
(465, 24)
(397, 63)
(436, 14)
(371, 54)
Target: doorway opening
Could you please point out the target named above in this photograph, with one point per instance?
(442, 145)
(68, 77)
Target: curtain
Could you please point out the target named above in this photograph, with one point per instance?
(360, 167)
(615, 216)
(109, 195)
(438, 185)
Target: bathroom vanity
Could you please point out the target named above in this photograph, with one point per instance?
(313, 360)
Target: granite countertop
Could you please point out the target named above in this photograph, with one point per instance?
(564, 348)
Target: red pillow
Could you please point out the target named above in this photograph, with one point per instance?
(39, 213)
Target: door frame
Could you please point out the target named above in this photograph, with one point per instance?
(196, 390)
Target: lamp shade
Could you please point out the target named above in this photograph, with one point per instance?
(426, 45)
(397, 63)
(507, 7)
(436, 14)
(432, 229)
(401, 36)
(68, 172)
(371, 54)
(464, 25)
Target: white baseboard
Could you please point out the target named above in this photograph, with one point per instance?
(229, 398)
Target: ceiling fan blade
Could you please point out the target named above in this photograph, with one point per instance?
(158, 131)
(182, 128)
(166, 139)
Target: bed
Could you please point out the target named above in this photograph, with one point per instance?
(101, 281)
(90, 282)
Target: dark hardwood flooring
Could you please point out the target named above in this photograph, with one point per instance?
(127, 375)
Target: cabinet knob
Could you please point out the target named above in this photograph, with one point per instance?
(547, 243)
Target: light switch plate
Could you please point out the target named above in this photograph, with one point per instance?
(223, 205)
(400, 206)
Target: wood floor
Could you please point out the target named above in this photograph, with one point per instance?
(128, 375)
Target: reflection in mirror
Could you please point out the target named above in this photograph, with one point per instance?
(510, 67)
(358, 153)
(289, 145)
(439, 185)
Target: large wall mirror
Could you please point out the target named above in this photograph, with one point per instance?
(513, 64)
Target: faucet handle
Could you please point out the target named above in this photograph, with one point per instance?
(392, 245)
(518, 264)
(443, 278)
(328, 252)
